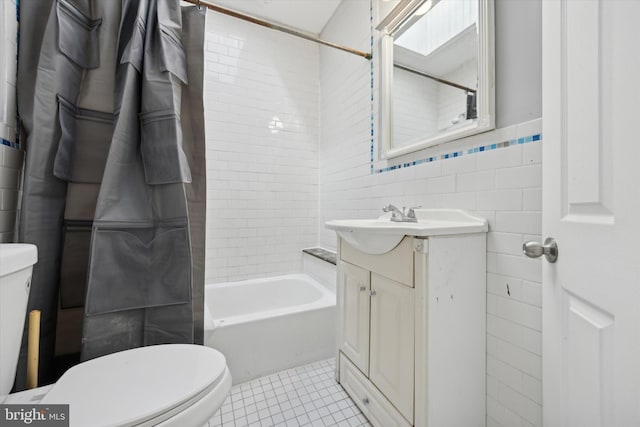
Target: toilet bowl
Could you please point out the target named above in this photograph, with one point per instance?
(165, 385)
(161, 385)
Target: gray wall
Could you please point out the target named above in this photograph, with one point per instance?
(518, 59)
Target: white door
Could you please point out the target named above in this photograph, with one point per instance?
(591, 206)
(392, 347)
(354, 284)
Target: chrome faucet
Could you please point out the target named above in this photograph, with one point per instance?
(403, 215)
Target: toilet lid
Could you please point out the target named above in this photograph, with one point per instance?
(130, 387)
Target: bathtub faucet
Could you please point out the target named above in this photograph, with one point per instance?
(403, 215)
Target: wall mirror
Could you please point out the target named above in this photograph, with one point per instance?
(436, 73)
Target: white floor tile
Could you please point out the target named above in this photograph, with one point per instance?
(303, 396)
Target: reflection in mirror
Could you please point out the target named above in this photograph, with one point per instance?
(437, 81)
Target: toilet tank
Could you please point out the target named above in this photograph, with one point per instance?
(16, 265)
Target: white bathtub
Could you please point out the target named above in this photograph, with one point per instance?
(267, 325)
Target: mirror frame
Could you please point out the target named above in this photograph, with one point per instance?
(486, 79)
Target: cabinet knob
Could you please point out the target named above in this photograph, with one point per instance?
(372, 293)
(363, 288)
(365, 400)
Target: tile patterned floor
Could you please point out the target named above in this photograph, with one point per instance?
(303, 396)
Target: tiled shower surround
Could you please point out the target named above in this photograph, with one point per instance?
(271, 186)
(262, 117)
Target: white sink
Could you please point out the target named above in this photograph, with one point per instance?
(378, 236)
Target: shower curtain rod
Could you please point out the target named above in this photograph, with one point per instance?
(278, 27)
(438, 79)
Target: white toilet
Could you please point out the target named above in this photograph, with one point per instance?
(163, 385)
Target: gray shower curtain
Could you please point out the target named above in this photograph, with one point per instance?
(110, 98)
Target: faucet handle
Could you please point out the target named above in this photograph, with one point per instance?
(396, 215)
(412, 212)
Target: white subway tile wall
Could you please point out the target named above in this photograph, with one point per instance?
(502, 185)
(10, 157)
(262, 118)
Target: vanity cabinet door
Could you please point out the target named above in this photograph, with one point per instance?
(392, 342)
(354, 286)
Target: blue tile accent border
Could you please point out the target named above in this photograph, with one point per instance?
(372, 103)
(454, 154)
(8, 143)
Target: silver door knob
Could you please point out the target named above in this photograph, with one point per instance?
(536, 250)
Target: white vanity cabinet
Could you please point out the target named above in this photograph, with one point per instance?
(411, 330)
(377, 332)
(391, 352)
(354, 312)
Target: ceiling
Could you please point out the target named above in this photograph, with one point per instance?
(307, 15)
